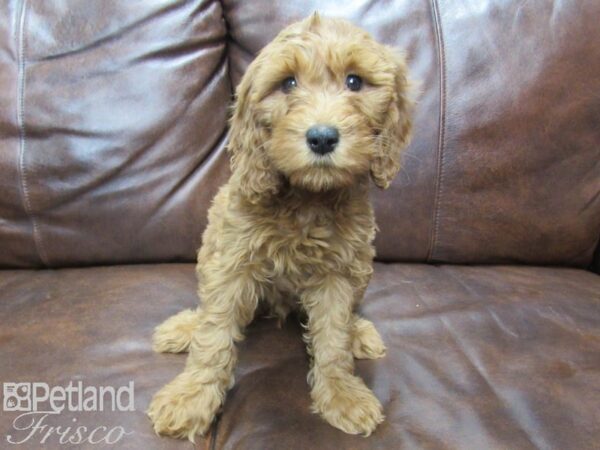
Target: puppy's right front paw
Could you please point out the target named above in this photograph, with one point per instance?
(366, 341)
(185, 407)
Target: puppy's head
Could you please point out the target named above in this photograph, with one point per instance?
(320, 106)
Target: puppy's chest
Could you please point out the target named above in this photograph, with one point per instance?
(308, 242)
(304, 234)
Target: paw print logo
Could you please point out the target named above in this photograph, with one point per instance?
(17, 397)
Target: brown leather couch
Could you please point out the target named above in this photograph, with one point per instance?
(112, 129)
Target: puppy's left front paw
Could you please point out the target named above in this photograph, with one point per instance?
(174, 335)
(348, 404)
(185, 407)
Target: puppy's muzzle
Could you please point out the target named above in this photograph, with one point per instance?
(322, 139)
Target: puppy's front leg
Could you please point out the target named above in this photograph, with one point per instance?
(188, 404)
(338, 395)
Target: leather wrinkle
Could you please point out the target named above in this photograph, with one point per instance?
(228, 42)
(180, 49)
(188, 175)
(481, 372)
(204, 87)
(161, 133)
(113, 35)
(472, 360)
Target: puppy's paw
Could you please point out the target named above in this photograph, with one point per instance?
(347, 404)
(366, 341)
(175, 334)
(185, 407)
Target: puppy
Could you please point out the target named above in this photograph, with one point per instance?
(320, 110)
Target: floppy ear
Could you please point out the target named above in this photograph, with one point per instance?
(247, 139)
(395, 133)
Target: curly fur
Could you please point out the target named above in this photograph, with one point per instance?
(294, 229)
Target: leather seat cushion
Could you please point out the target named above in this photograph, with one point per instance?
(478, 357)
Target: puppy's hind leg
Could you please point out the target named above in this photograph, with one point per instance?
(366, 341)
(174, 335)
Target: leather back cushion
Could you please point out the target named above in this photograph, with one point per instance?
(112, 138)
(116, 121)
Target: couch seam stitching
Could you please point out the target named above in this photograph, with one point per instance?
(25, 197)
(213, 434)
(434, 236)
(228, 41)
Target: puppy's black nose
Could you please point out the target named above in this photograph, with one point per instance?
(322, 139)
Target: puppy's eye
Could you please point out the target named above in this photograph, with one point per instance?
(354, 82)
(288, 84)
